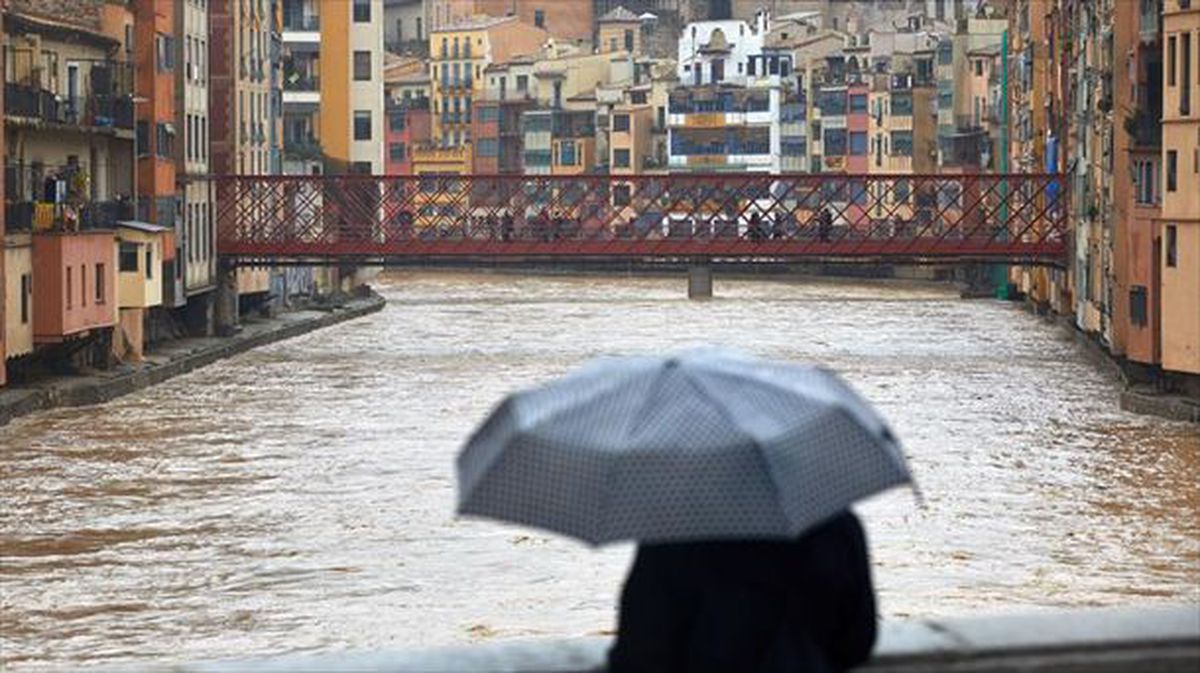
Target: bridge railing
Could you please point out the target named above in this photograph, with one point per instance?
(1007, 217)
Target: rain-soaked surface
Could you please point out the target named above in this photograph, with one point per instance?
(299, 497)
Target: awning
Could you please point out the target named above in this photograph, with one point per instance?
(147, 227)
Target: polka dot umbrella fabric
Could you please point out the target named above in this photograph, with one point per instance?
(706, 444)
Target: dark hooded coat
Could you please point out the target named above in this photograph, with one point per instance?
(803, 606)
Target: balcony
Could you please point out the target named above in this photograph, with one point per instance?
(698, 101)
(302, 149)
(1144, 129)
(41, 216)
(301, 23)
(100, 111)
(296, 82)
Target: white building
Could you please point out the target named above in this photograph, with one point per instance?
(198, 244)
(725, 116)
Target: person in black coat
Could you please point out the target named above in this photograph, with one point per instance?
(803, 606)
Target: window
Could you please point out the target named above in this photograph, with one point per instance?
(539, 18)
(165, 140)
(1171, 242)
(858, 102)
(164, 49)
(832, 103)
(362, 124)
(1171, 61)
(902, 144)
(149, 262)
(362, 66)
(567, 156)
(858, 143)
(628, 40)
(396, 151)
(362, 11)
(797, 147)
(621, 158)
(522, 83)
(1172, 170)
(1145, 175)
(620, 122)
(979, 67)
(835, 142)
(487, 147)
(127, 259)
(26, 292)
(637, 97)
(83, 285)
(902, 105)
(360, 168)
(622, 195)
(143, 138)
(396, 120)
(1185, 58)
(70, 287)
(1137, 306)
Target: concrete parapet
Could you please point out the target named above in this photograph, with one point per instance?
(1104, 640)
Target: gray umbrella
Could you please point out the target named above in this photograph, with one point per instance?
(704, 445)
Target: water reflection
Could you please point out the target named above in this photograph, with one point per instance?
(298, 497)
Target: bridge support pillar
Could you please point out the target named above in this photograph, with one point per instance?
(700, 280)
(226, 309)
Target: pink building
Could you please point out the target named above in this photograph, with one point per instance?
(74, 284)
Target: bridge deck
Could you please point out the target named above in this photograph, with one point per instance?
(878, 217)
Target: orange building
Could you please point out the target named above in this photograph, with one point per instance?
(156, 140)
(565, 20)
(1137, 148)
(1180, 256)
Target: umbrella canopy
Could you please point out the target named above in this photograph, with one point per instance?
(703, 445)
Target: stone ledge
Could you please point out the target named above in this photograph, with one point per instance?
(1154, 640)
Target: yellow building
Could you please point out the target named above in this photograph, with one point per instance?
(1028, 39)
(458, 55)
(139, 262)
(441, 203)
(631, 138)
(18, 299)
(1180, 265)
(620, 31)
(140, 247)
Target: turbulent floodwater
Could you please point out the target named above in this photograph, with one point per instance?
(299, 497)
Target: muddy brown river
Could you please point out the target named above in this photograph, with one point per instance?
(299, 498)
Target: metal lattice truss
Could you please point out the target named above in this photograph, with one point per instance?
(331, 219)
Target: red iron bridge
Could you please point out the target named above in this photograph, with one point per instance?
(875, 218)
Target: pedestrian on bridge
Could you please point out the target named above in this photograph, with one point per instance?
(735, 476)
